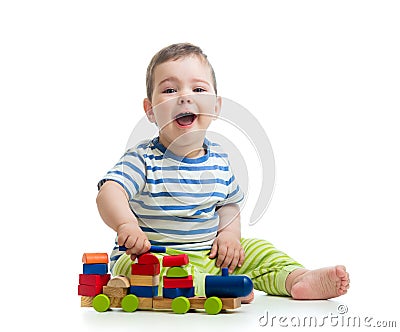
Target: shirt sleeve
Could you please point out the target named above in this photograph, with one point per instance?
(129, 172)
(235, 193)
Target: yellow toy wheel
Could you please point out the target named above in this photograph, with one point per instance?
(130, 303)
(213, 305)
(180, 305)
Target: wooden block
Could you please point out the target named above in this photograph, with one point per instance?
(162, 303)
(177, 272)
(172, 293)
(146, 269)
(186, 282)
(94, 279)
(197, 302)
(87, 290)
(95, 268)
(144, 291)
(115, 291)
(175, 260)
(230, 303)
(148, 258)
(145, 280)
(95, 258)
(119, 281)
(86, 301)
(145, 303)
(115, 302)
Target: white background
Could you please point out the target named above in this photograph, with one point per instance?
(322, 77)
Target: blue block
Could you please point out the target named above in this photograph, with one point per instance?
(144, 291)
(228, 286)
(95, 268)
(172, 293)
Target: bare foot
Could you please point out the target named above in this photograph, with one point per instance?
(247, 299)
(318, 284)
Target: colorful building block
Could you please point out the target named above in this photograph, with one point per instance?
(89, 290)
(95, 258)
(176, 272)
(144, 291)
(172, 293)
(119, 281)
(115, 291)
(94, 279)
(148, 258)
(95, 268)
(176, 260)
(186, 282)
(146, 269)
(144, 280)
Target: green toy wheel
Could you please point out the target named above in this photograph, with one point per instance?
(101, 303)
(180, 305)
(213, 305)
(130, 303)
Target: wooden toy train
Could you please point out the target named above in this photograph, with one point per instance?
(98, 290)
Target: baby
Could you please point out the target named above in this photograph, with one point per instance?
(178, 190)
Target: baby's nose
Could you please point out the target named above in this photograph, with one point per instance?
(187, 99)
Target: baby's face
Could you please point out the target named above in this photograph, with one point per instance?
(184, 101)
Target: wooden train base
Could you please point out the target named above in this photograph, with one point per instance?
(130, 303)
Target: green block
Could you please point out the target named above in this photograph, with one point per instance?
(177, 272)
(180, 305)
(213, 305)
(130, 303)
(101, 303)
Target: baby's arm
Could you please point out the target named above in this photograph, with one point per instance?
(113, 205)
(226, 246)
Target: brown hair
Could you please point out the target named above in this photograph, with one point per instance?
(174, 52)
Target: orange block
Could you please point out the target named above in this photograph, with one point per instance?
(95, 258)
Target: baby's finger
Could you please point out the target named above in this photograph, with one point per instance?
(214, 250)
(140, 245)
(133, 257)
(222, 250)
(241, 257)
(228, 257)
(234, 262)
(130, 243)
(121, 239)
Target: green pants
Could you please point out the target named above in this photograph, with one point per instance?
(264, 264)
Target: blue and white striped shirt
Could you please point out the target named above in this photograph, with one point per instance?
(175, 198)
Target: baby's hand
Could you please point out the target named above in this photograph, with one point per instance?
(132, 237)
(229, 250)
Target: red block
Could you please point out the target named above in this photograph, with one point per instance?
(186, 282)
(146, 269)
(176, 260)
(87, 290)
(94, 279)
(148, 258)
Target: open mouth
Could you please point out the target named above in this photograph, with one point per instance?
(185, 119)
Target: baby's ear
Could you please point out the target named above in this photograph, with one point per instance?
(217, 108)
(148, 108)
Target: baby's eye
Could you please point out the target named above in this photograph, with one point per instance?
(169, 90)
(199, 90)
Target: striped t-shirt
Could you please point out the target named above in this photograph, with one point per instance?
(175, 198)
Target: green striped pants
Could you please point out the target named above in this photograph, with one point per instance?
(264, 264)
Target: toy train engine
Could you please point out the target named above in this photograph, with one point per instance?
(228, 286)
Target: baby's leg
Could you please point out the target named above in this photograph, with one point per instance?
(267, 266)
(275, 273)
